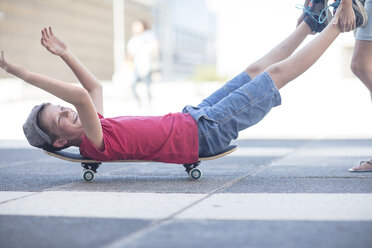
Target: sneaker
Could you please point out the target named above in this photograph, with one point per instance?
(317, 15)
(361, 16)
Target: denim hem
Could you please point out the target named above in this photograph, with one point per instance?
(274, 90)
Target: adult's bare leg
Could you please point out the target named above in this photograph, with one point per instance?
(361, 65)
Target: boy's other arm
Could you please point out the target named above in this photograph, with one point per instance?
(73, 94)
(87, 79)
(54, 45)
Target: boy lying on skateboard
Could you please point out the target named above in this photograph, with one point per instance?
(181, 138)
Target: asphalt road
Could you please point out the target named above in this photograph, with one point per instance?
(269, 193)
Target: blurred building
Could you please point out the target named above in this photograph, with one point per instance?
(185, 29)
(187, 35)
(86, 26)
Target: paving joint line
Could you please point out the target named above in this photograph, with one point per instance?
(140, 233)
(21, 197)
(337, 177)
(259, 168)
(170, 218)
(286, 155)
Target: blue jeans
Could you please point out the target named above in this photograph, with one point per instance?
(237, 105)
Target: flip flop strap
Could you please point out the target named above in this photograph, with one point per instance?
(364, 162)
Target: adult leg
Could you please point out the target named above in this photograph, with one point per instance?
(280, 52)
(148, 81)
(361, 65)
(135, 81)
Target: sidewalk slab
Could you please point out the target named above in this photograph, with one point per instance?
(243, 234)
(282, 206)
(61, 232)
(99, 204)
(291, 185)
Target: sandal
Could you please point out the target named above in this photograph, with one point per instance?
(362, 167)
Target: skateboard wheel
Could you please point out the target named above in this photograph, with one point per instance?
(88, 175)
(195, 174)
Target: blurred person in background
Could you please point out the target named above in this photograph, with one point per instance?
(143, 51)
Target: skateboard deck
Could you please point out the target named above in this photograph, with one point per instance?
(90, 166)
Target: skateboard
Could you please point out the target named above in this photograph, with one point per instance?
(90, 166)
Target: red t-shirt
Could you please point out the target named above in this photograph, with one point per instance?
(172, 138)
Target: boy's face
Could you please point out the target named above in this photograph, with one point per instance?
(62, 121)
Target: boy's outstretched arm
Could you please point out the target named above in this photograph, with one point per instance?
(292, 67)
(73, 94)
(54, 45)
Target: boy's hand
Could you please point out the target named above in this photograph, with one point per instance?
(12, 69)
(52, 43)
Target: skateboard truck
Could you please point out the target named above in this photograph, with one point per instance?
(89, 169)
(194, 173)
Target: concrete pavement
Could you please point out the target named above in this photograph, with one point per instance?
(269, 193)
